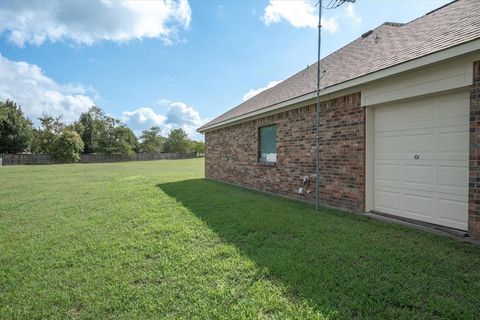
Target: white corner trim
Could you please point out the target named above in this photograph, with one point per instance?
(436, 57)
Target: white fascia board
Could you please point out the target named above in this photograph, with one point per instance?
(446, 54)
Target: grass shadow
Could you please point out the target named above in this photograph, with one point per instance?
(361, 267)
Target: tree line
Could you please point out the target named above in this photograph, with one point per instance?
(93, 132)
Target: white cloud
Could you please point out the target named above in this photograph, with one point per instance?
(26, 84)
(177, 115)
(300, 14)
(86, 22)
(352, 14)
(142, 118)
(253, 92)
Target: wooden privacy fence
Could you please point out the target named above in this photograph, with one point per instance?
(11, 159)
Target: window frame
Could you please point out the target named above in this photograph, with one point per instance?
(259, 154)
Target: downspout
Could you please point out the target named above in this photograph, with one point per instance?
(317, 116)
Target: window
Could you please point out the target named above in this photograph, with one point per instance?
(268, 144)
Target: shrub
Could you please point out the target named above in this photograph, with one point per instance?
(68, 146)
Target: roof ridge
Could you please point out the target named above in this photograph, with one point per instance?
(430, 12)
(392, 24)
(445, 5)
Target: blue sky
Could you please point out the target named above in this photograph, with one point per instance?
(172, 64)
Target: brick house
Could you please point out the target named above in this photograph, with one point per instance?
(399, 125)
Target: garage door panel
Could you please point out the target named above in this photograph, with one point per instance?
(388, 202)
(418, 205)
(387, 145)
(453, 107)
(451, 179)
(421, 159)
(417, 113)
(454, 142)
(448, 210)
(387, 173)
(419, 143)
(387, 120)
(452, 122)
(418, 175)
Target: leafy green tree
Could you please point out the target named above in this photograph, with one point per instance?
(88, 121)
(68, 146)
(16, 131)
(77, 127)
(44, 137)
(104, 134)
(123, 140)
(177, 141)
(35, 145)
(197, 146)
(152, 141)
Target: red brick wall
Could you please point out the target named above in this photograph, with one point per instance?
(232, 153)
(474, 181)
(342, 153)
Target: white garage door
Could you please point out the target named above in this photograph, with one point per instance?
(421, 159)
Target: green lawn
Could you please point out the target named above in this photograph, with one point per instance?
(143, 240)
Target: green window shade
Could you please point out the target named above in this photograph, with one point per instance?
(268, 143)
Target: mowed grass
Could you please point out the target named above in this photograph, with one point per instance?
(153, 240)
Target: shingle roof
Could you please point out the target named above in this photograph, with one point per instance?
(387, 45)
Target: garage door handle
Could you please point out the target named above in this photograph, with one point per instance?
(416, 157)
